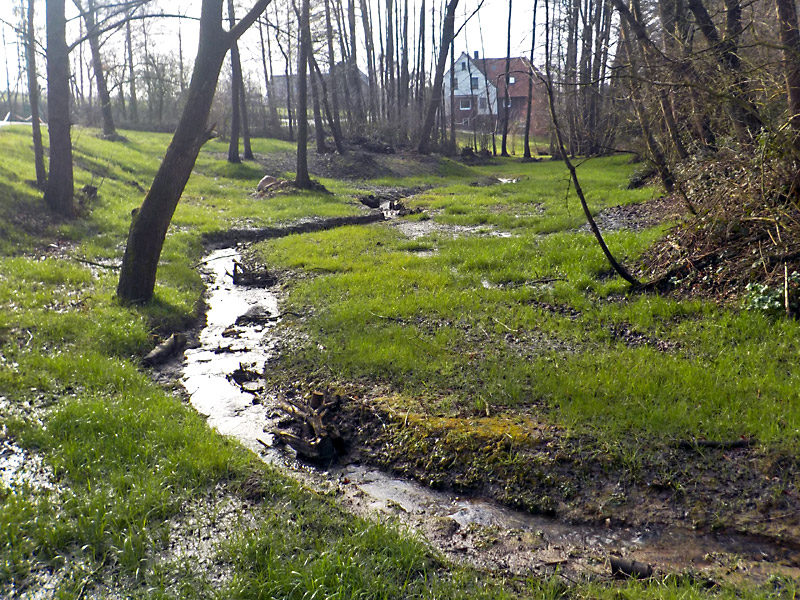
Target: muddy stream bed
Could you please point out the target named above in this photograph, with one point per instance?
(237, 340)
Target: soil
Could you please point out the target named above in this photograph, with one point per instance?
(637, 217)
(356, 164)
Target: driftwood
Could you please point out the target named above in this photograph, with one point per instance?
(244, 276)
(320, 440)
(625, 567)
(166, 350)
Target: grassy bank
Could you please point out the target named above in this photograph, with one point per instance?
(125, 492)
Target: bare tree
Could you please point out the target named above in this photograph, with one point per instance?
(506, 84)
(60, 184)
(33, 95)
(302, 179)
(149, 228)
(448, 31)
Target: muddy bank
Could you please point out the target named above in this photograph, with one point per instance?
(234, 236)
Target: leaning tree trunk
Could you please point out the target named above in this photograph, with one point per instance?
(149, 228)
(33, 95)
(60, 185)
(448, 30)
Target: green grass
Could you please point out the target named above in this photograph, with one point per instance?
(124, 457)
(384, 313)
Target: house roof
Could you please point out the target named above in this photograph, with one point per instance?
(494, 69)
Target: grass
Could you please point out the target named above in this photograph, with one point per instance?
(384, 313)
(124, 458)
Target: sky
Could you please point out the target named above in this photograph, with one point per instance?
(487, 28)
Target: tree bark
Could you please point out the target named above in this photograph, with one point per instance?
(60, 185)
(448, 29)
(33, 94)
(149, 227)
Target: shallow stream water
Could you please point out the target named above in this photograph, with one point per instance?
(474, 529)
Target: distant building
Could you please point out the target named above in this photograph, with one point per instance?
(479, 93)
(280, 82)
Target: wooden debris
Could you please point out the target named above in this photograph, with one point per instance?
(164, 351)
(266, 182)
(319, 440)
(244, 276)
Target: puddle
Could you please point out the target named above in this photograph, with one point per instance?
(472, 529)
(417, 229)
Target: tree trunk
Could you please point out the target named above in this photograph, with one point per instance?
(60, 186)
(373, 85)
(247, 147)
(790, 39)
(149, 227)
(236, 87)
(302, 179)
(33, 94)
(448, 31)
(528, 111)
(104, 98)
(337, 133)
(131, 75)
(319, 129)
(506, 98)
(336, 125)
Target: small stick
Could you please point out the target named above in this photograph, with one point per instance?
(786, 290)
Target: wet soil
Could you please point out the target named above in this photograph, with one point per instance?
(525, 503)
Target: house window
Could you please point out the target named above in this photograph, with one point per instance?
(512, 80)
(464, 66)
(473, 82)
(482, 103)
(455, 84)
(465, 104)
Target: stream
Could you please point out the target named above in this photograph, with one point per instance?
(472, 529)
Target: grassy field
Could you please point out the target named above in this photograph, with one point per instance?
(121, 471)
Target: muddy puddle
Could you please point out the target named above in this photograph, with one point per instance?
(472, 529)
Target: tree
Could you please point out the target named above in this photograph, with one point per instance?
(448, 30)
(506, 83)
(33, 95)
(60, 184)
(89, 13)
(236, 90)
(302, 179)
(149, 227)
(790, 39)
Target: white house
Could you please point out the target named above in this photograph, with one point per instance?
(475, 96)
